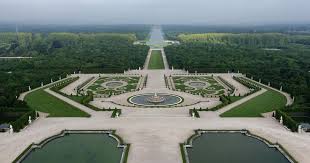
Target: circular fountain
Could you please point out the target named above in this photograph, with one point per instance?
(155, 100)
(197, 84)
(114, 84)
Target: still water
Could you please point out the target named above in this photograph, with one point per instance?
(232, 148)
(77, 148)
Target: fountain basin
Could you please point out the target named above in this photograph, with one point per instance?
(238, 146)
(155, 100)
(77, 146)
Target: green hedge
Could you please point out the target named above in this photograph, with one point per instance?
(21, 122)
(85, 98)
(58, 86)
(232, 88)
(83, 84)
(226, 100)
(287, 120)
(182, 152)
(191, 111)
(248, 84)
(119, 111)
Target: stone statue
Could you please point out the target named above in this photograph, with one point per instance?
(299, 129)
(11, 129)
(29, 120)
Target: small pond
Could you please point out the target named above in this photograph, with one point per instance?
(236, 147)
(77, 148)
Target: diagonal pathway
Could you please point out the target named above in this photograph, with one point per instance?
(239, 102)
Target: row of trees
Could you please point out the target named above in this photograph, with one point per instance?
(58, 54)
(287, 66)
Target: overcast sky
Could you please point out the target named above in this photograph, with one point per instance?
(155, 11)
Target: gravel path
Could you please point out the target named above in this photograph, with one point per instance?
(240, 89)
(239, 102)
(71, 88)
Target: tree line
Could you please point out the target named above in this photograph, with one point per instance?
(281, 59)
(58, 54)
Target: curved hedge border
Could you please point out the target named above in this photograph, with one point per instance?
(199, 132)
(86, 98)
(287, 120)
(111, 133)
(60, 85)
(232, 88)
(248, 84)
(22, 121)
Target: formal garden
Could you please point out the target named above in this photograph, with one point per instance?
(199, 85)
(197, 52)
(109, 86)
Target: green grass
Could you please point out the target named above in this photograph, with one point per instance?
(156, 60)
(42, 101)
(76, 98)
(235, 98)
(266, 102)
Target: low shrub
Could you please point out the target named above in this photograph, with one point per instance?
(22, 121)
(119, 111)
(195, 112)
(248, 84)
(226, 100)
(287, 120)
(231, 87)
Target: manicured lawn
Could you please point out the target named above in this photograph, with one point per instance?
(266, 102)
(42, 101)
(156, 60)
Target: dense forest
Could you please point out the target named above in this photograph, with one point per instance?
(58, 54)
(172, 31)
(141, 31)
(281, 59)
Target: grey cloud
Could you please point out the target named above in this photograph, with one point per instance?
(155, 11)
